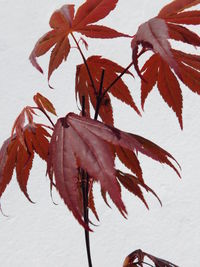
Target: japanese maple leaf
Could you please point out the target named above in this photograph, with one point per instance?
(153, 35)
(134, 185)
(167, 65)
(18, 126)
(44, 104)
(84, 87)
(82, 143)
(17, 152)
(27, 114)
(63, 22)
(15, 155)
(137, 259)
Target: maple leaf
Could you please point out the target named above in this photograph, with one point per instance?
(27, 114)
(15, 155)
(134, 185)
(19, 123)
(167, 64)
(153, 35)
(17, 152)
(137, 259)
(44, 104)
(91, 203)
(176, 6)
(119, 90)
(63, 22)
(157, 71)
(80, 142)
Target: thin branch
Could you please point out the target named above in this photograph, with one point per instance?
(147, 264)
(99, 97)
(85, 62)
(118, 77)
(85, 189)
(84, 185)
(83, 106)
(136, 263)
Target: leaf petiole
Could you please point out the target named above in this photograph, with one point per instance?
(85, 62)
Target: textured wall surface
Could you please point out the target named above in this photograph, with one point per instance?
(44, 234)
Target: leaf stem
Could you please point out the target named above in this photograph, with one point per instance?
(136, 263)
(99, 97)
(118, 77)
(147, 264)
(85, 62)
(85, 190)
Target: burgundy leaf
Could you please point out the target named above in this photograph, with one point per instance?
(7, 162)
(170, 90)
(63, 24)
(180, 33)
(137, 259)
(134, 185)
(176, 6)
(153, 34)
(44, 104)
(187, 17)
(119, 90)
(82, 143)
(99, 31)
(93, 10)
(167, 65)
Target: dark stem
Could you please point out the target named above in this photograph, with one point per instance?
(118, 77)
(147, 264)
(99, 97)
(48, 117)
(85, 62)
(85, 189)
(83, 106)
(136, 263)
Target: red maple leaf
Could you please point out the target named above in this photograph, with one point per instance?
(155, 35)
(44, 104)
(137, 259)
(17, 152)
(82, 143)
(14, 155)
(63, 22)
(18, 126)
(84, 87)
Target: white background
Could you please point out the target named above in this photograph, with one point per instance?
(43, 234)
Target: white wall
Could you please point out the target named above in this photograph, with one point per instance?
(43, 234)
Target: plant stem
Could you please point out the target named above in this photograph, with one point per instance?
(136, 263)
(121, 74)
(85, 189)
(118, 77)
(85, 62)
(48, 117)
(99, 97)
(85, 186)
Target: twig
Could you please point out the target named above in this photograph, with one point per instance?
(85, 62)
(118, 77)
(99, 97)
(85, 189)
